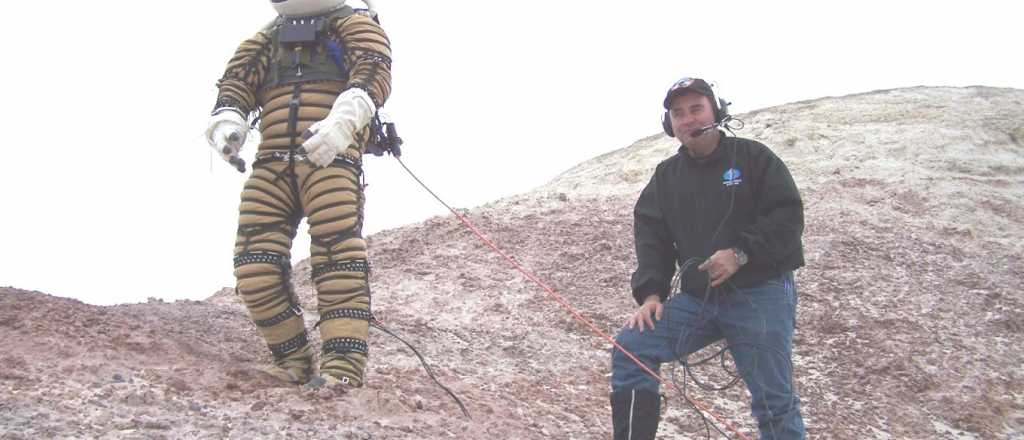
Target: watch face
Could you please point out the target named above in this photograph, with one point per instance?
(741, 257)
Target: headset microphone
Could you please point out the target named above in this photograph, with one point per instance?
(702, 130)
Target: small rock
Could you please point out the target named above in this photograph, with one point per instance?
(179, 384)
(155, 424)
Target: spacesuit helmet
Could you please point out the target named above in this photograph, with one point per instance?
(304, 8)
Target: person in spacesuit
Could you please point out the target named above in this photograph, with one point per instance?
(312, 81)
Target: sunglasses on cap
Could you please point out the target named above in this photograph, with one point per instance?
(687, 82)
(695, 84)
(683, 83)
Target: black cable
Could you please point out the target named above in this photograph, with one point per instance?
(379, 326)
(682, 360)
(417, 179)
(732, 196)
(426, 367)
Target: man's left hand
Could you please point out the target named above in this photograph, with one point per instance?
(720, 266)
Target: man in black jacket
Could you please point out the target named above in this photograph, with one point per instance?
(726, 210)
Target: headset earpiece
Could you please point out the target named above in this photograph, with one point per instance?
(666, 124)
(716, 101)
(723, 110)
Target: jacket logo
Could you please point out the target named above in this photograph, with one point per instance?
(732, 177)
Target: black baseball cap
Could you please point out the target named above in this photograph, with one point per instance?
(688, 85)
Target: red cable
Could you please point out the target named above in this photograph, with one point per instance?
(565, 304)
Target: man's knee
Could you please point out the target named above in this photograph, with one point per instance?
(629, 340)
(628, 371)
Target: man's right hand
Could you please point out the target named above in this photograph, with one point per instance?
(643, 315)
(226, 133)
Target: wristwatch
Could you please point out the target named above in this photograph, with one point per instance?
(741, 257)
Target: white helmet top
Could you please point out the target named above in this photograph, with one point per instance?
(305, 8)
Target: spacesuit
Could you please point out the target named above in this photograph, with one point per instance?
(312, 81)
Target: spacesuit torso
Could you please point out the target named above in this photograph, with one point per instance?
(293, 70)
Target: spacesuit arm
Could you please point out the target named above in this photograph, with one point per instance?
(244, 75)
(368, 55)
(236, 97)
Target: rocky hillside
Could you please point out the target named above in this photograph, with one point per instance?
(910, 317)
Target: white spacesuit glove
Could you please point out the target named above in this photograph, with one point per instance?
(226, 133)
(351, 112)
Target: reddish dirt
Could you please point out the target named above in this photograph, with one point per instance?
(910, 312)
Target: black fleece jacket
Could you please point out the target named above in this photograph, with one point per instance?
(683, 215)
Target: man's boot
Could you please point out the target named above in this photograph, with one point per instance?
(635, 414)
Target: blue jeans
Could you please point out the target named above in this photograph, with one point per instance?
(757, 323)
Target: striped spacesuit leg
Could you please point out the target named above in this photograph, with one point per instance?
(266, 226)
(333, 199)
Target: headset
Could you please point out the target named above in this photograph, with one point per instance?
(720, 104)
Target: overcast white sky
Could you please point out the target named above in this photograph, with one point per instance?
(110, 194)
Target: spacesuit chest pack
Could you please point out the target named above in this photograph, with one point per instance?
(306, 49)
